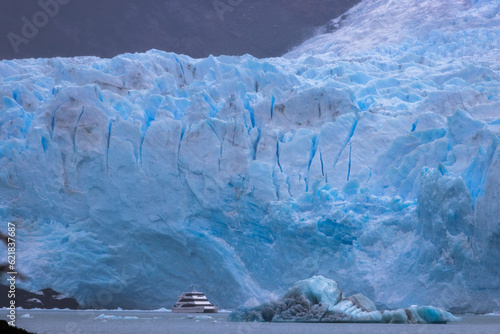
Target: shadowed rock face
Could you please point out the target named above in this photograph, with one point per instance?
(46, 298)
(6, 329)
(197, 28)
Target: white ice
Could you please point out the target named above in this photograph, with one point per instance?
(369, 154)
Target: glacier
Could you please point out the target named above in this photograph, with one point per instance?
(369, 154)
(318, 299)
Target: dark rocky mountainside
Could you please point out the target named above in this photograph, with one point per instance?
(46, 298)
(198, 28)
(6, 329)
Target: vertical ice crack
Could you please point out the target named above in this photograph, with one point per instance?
(74, 134)
(220, 142)
(276, 186)
(234, 131)
(256, 144)
(278, 155)
(273, 100)
(369, 177)
(347, 141)
(321, 161)
(319, 104)
(210, 102)
(250, 110)
(312, 154)
(288, 186)
(314, 147)
(211, 127)
(349, 167)
(143, 136)
(53, 123)
(110, 126)
(182, 70)
(220, 157)
(183, 131)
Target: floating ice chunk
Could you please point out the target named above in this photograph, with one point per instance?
(34, 300)
(433, 315)
(363, 302)
(395, 317)
(199, 317)
(308, 301)
(115, 317)
(317, 289)
(162, 310)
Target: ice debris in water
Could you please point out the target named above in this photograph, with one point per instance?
(115, 317)
(199, 317)
(318, 299)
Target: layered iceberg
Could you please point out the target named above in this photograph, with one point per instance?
(318, 299)
(368, 155)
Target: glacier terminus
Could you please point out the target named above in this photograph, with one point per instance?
(369, 154)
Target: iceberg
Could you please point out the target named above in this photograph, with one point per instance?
(318, 299)
(369, 154)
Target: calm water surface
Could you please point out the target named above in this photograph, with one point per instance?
(117, 322)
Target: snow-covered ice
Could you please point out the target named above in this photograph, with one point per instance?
(369, 154)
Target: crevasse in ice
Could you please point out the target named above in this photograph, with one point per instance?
(369, 154)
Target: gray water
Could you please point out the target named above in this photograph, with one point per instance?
(118, 322)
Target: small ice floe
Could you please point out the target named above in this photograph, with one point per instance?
(34, 300)
(27, 316)
(203, 317)
(115, 317)
(492, 315)
(59, 297)
(198, 317)
(162, 310)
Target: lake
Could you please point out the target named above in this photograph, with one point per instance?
(122, 322)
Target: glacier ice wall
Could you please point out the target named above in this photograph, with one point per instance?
(377, 164)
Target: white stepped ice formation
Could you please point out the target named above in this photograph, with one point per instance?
(369, 155)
